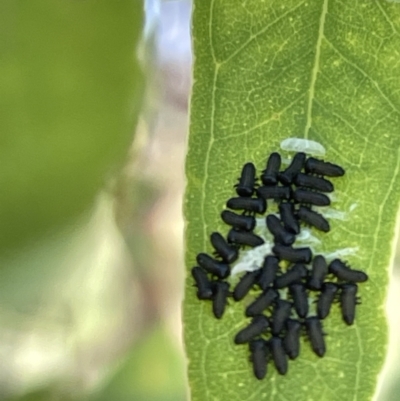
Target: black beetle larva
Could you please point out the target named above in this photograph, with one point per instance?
(318, 273)
(280, 314)
(326, 298)
(313, 182)
(203, 284)
(220, 296)
(244, 285)
(240, 222)
(245, 187)
(342, 272)
(274, 192)
(268, 272)
(309, 197)
(320, 167)
(270, 174)
(278, 231)
(293, 275)
(313, 218)
(244, 238)
(289, 220)
(261, 303)
(300, 298)
(302, 255)
(259, 357)
(258, 325)
(213, 266)
(251, 205)
(278, 355)
(286, 177)
(348, 301)
(228, 253)
(316, 335)
(291, 341)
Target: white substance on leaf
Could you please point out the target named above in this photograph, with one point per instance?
(306, 236)
(261, 222)
(353, 206)
(330, 213)
(332, 196)
(303, 145)
(341, 253)
(252, 259)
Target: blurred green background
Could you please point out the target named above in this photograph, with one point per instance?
(93, 108)
(92, 143)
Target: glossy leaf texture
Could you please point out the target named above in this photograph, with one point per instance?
(69, 82)
(264, 71)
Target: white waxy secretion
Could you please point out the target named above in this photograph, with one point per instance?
(252, 259)
(341, 253)
(303, 145)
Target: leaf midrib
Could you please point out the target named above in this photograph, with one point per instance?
(315, 69)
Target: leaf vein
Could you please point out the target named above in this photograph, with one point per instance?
(315, 68)
(386, 17)
(260, 32)
(365, 74)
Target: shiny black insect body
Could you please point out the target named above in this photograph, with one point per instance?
(270, 174)
(240, 222)
(348, 302)
(309, 197)
(274, 192)
(287, 176)
(281, 236)
(220, 297)
(300, 298)
(342, 272)
(293, 275)
(244, 285)
(245, 187)
(244, 238)
(291, 341)
(320, 167)
(250, 205)
(257, 326)
(326, 298)
(289, 220)
(203, 284)
(263, 302)
(315, 335)
(318, 273)
(227, 252)
(268, 272)
(302, 255)
(278, 355)
(313, 218)
(259, 357)
(313, 182)
(212, 266)
(280, 314)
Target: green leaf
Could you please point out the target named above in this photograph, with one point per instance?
(70, 89)
(265, 71)
(151, 371)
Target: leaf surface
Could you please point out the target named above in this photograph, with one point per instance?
(268, 70)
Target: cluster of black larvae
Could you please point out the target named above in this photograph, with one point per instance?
(290, 278)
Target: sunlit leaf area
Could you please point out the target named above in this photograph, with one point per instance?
(99, 122)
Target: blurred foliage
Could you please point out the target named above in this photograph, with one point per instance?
(70, 89)
(152, 371)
